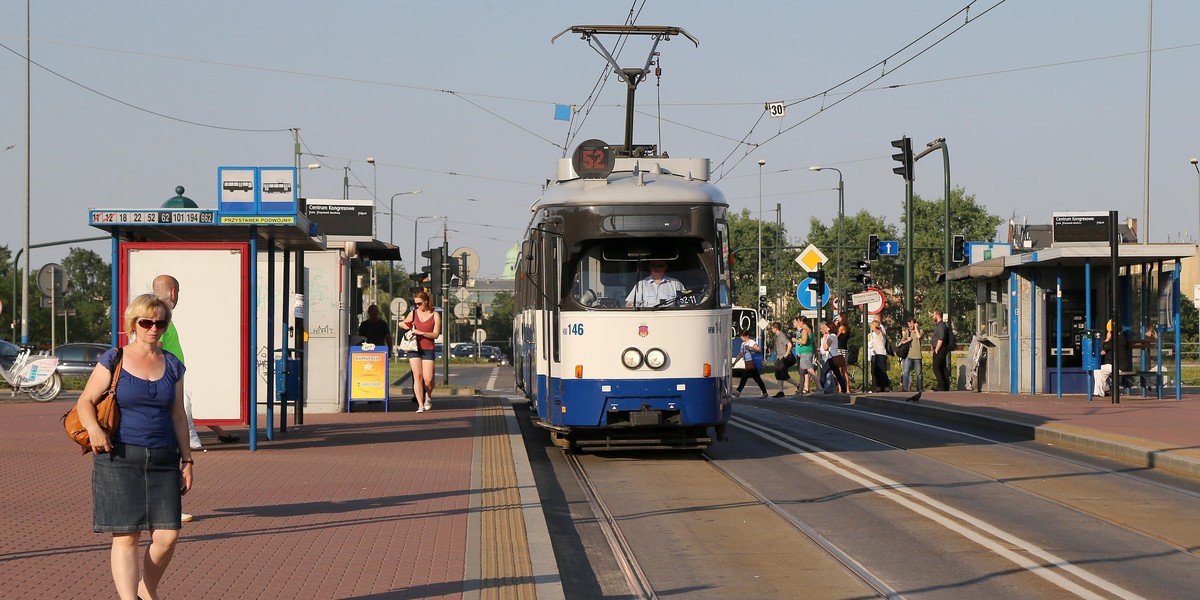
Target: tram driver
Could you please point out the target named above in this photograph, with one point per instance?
(657, 289)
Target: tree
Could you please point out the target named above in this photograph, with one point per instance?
(967, 218)
(499, 324)
(780, 272)
(88, 293)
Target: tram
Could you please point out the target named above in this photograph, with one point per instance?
(613, 352)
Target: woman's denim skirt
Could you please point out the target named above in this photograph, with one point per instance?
(136, 488)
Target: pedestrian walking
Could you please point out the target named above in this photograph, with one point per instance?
(784, 359)
(141, 473)
(941, 351)
(751, 353)
(427, 324)
(877, 343)
(804, 344)
(911, 356)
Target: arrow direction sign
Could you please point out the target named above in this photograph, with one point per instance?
(889, 248)
(812, 258)
(808, 298)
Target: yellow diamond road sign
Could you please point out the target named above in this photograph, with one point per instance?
(811, 258)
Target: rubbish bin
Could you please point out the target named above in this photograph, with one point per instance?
(1091, 345)
(287, 379)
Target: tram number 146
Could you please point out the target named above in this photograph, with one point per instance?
(573, 329)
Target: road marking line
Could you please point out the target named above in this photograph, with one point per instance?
(491, 384)
(897, 493)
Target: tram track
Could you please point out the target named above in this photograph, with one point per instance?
(635, 576)
(1099, 470)
(1036, 560)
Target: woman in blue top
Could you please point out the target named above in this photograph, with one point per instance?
(140, 474)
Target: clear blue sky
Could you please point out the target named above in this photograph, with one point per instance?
(1042, 103)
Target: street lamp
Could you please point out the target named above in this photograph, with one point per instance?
(374, 179)
(392, 224)
(760, 285)
(841, 215)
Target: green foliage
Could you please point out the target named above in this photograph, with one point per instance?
(780, 273)
(88, 293)
(499, 324)
(967, 218)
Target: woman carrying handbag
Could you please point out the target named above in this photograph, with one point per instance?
(426, 324)
(142, 470)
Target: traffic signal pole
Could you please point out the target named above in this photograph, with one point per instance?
(445, 291)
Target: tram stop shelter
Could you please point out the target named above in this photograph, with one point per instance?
(226, 304)
(1044, 314)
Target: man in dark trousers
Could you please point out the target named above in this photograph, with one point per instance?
(941, 352)
(376, 330)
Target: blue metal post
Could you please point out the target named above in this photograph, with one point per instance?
(114, 292)
(1014, 335)
(1087, 314)
(1178, 332)
(1058, 327)
(271, 374)
(1033, 306)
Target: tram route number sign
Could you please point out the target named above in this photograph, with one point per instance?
(777, 110)
(743, 318)
(153, 217)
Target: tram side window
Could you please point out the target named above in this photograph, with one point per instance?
(617, 280)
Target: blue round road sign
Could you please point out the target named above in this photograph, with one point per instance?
(808, 298)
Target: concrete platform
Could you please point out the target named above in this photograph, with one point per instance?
(361, 505)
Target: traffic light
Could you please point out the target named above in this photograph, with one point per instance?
(764, 309)
(863, 275)
(960, 249)
(418, 280)
(904, 157)
(818, 282)
(456, 276)
(434, 268)
(872, 247)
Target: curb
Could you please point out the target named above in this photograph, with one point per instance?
(1137, 451)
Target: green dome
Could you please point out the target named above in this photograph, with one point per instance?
(180, 201)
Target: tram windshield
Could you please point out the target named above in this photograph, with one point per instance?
(628, 274)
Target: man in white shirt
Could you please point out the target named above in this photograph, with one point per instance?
(656, 290)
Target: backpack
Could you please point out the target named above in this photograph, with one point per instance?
(887, 346)
(951, 341)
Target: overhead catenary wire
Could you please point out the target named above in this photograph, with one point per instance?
(884, 71)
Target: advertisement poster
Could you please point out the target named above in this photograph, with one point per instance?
(368, 374)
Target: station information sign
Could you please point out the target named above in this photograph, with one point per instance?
(153, 217)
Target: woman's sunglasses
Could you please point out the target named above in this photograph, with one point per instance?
(149, 323)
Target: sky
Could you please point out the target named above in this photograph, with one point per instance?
(1043, 106)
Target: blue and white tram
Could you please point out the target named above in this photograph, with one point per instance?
(613, 354)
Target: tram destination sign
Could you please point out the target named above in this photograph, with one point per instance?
(152, 217)
(1080, 227)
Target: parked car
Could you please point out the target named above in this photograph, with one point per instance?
(79, 359)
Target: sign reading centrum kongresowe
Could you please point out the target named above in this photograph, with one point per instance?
(1080, 227)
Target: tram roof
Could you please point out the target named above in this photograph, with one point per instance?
(1075, 255)
(667, 180)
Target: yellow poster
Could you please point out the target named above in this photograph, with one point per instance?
(368, 375)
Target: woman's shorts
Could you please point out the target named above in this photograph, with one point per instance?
(136, 489)
(804, 361)
(421, 354)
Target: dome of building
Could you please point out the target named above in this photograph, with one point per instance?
(180, 201)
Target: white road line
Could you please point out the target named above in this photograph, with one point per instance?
(913, 500)
(491, 384)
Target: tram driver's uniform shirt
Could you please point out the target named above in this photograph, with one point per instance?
(649, 293)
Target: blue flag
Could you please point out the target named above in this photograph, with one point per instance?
(562, 112)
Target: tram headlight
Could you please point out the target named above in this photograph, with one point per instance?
(632, 358)
(656, 358)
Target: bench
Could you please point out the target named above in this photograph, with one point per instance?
(1145, 380)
